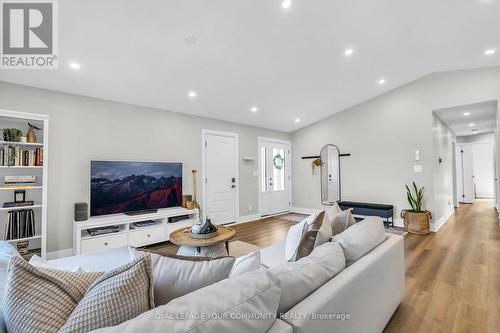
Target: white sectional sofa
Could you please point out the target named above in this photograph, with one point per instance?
(361, 298)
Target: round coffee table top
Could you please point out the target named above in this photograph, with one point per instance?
(181, 237)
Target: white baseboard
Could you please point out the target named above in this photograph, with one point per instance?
(59, 254)
(436, 225)
(248, 218)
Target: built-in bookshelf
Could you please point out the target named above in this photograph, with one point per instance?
(35, 155)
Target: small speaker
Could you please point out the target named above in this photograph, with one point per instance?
(81, 211)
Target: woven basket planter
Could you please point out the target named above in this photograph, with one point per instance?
(416, 223)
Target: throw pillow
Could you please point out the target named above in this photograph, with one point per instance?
(245, 264)
(177, 276)
(332, 225)
(115, 297)
(361, 238)
(306, 244)
(41, 300)
(301, 278)
(245, 303)
(294, 236)
(7, 251)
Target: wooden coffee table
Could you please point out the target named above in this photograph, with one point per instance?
(182, 237)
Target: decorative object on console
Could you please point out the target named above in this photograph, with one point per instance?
(31, 137)
(185, 199)
(416, 220)
(195, 203)
(12, 134)
(81, 211)
(19, 196)
(190, 205)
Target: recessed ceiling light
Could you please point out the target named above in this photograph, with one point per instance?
(297, 120)
(472, 124)
(192, 94)
(348, 52)
(381, 81)
(466, 114)
(286, 4)
(490, 51)
(74, 65)
(254, 109)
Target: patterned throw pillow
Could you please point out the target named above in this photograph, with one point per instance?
(49, 300)
(39, 299)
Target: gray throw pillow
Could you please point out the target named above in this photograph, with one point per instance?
(177, 276)
(301, 278)
(334, 224)
(361, 238)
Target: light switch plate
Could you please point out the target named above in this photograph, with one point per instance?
(417, 155)
(417, 168)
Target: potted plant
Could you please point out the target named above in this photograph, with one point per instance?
(416, 219)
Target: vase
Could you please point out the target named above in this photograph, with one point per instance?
(31, 137)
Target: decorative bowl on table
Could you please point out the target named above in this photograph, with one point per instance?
(203, 231)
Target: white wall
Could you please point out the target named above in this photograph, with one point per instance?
(382, 135)
(84, 129)
(442, 141)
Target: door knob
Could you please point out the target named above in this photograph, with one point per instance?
(233, 186)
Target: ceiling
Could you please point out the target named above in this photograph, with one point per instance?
(237, 54)
(463, 120)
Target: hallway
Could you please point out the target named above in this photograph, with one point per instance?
(453, 276)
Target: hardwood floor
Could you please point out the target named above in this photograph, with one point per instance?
(453, 276)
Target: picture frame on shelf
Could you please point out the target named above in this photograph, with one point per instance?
(19, 196)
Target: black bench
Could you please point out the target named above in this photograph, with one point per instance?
(370, 209)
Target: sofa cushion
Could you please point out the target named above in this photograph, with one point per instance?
(102, 261)
(7, 251)
(245, 264)
(361, 238)
(41, 300)
(221, 307)
(115, 297)
(333, 224)
(42, 263)
(177, 276)
(273, 255)
(301, 278)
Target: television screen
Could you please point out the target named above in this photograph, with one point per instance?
(124, 187)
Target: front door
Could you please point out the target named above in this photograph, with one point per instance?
(274, 178)
(221, 176)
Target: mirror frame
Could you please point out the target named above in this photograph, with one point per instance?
(325, 147)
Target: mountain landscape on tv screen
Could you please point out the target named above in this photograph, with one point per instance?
(113, 191)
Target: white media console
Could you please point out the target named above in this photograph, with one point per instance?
(128, 235)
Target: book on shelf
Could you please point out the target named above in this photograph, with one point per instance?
(16, 156)
(20, 224)
(22, 180)
(17, 204)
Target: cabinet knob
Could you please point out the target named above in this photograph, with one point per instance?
(106, 244)
(149, 235)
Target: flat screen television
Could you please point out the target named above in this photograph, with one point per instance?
(134, 187)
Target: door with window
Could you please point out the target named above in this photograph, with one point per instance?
(274, 176)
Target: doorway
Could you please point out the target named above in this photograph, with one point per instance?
(220, 176)
(274, 176)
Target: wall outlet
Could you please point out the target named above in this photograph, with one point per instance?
(417, 168)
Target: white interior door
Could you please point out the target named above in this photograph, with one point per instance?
(220, 173)
(482, 156)
(465, 181)
(275, 176)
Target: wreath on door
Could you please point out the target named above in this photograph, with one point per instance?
(278, 162)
